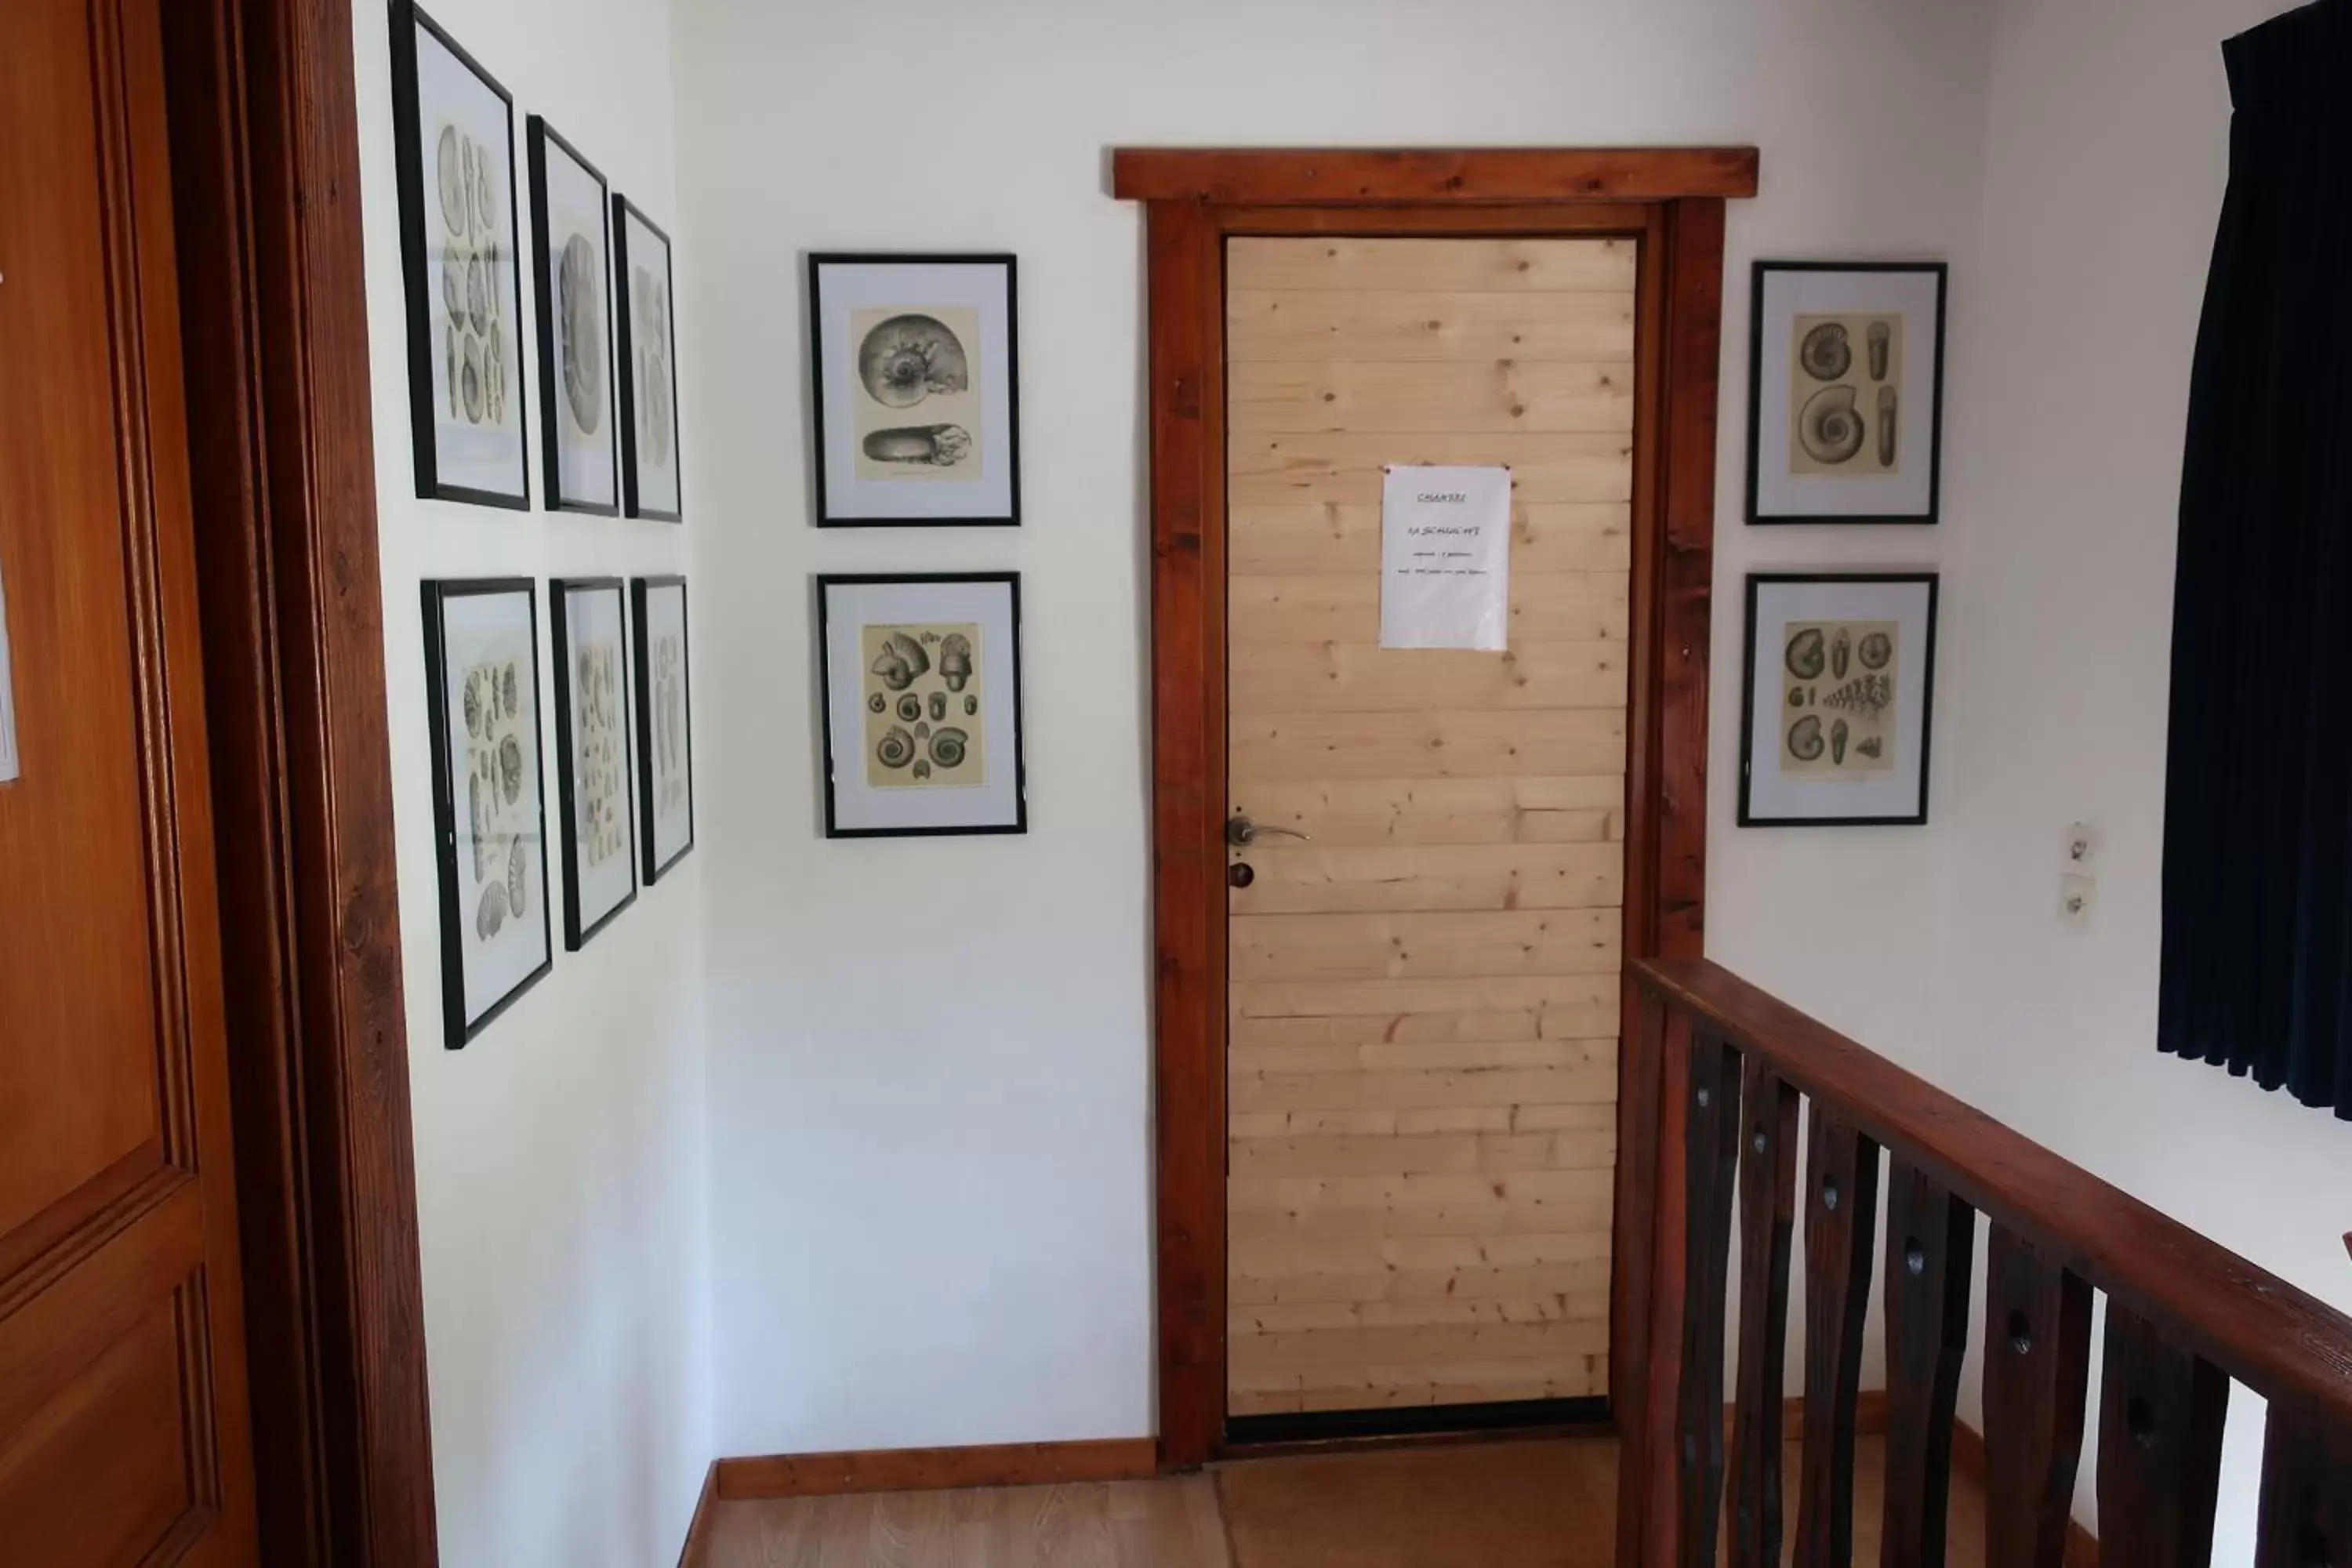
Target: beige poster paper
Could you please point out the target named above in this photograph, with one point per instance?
(472, 187)
(650, 345)
(599, 782)
(1837, 698)
(1845, 379)
(917, 406)
(669, 759)
(502, 796)
(926, 706)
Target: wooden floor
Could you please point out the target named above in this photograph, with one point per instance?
(1514, 1505)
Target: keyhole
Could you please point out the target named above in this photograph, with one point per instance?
(2140, 1421)
(2021, 1334)
(1915, 1256)
(1830, 1194)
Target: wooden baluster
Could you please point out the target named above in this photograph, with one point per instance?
(2161, 1410)
(1711, 1165)
(1767, 1212)
(1643, 1226)
(1930, 1247)
(2037, 1375)
(1841, 1219)
(2306, 1507)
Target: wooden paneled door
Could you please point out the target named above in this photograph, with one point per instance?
(1424, 984)
(123, 1429)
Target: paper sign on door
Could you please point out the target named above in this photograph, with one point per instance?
(1445, 557)
(8, 698)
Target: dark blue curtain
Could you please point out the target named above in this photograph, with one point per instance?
(2258, 812)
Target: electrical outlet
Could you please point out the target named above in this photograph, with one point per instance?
(2081, 849)
(2076, 893)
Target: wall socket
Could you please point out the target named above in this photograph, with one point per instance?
(2075, 892)
(2078, 852)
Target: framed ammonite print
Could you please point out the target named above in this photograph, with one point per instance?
(915, 390)
(1845, 392)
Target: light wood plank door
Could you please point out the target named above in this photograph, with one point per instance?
(123, 1432)
(1423, 994)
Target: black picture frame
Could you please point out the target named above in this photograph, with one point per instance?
(1759, 272)
(558, 613)
(625, 356)
(652, 867)
(820, 506)
(1757, 582)
(537, 135)
(833, 829)
(456, 1033)
(417, 270)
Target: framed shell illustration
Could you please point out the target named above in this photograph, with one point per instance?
(579, 450)
(916, 390)
(481, 664)
(1838, 698)
(665, 723)
(1845, 392)
(591, 754)
(453, 133)
(922, 677)
(648, 339)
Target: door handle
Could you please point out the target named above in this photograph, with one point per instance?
(1241, 832)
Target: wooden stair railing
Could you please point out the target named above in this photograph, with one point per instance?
(1717, 1071)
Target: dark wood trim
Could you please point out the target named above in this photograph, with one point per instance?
(1450, 1436)
(1673, 200)
(1355, 176)
(1187, 856)
(1673, 665)
(2287, 1346)
(935, 1469)
(267, 192)
(696, 1553)
(1323, 1431)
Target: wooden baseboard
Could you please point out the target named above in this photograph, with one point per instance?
(1968, 1459)
(696, 1550)
(934, 1469)
(1869, 1416)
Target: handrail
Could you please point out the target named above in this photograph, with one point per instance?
(1714, 1076)
(2284, 1344)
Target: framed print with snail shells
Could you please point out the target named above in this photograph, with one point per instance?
(1837, 707)
(579, 457)
(1845, 392)
(648, 350)
(665, 723)
(482, 669)
(592, 752)
(916, 390)
(453, 133)
(921, 696)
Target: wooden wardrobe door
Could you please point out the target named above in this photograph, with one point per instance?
(1424, 991)
(123, 1432)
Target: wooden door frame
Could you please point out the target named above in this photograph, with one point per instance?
(266, 191)
(1672, 199)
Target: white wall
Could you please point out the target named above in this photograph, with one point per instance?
(929, 1058)
(2106, 156)
(562, 1179)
